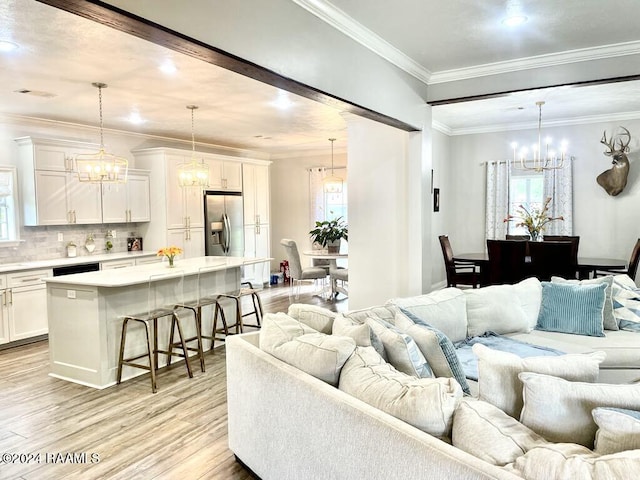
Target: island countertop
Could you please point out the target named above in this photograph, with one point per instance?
(138, 274)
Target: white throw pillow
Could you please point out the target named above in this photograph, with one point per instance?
(298, 345)
(444, 309)
(318, 318)
(379, 312)
(425, 403)
(498, 381)
(360, 332)
(488, 433)
(568, 461)
(618, 430)
(560, 410)
(504, 308)
(609, 321)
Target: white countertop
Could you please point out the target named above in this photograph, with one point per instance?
(62, 262)
(123, 277)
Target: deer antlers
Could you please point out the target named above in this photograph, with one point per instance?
(624, 146)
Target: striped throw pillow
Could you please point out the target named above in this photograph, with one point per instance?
(569, 308)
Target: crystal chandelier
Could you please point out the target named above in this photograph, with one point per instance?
(332, 184)
(549, 160)
(101, 167)
(193, 173)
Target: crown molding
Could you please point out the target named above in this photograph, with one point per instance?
(506, 127)
(342, 22)
(441, 127)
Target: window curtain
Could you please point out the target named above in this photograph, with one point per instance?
(497, 202)
(558, 184)
(316, 195)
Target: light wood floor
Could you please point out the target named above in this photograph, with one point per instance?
(178, 433)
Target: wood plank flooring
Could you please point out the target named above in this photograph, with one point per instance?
(178, 433)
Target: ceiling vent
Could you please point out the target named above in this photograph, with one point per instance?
(37, 93)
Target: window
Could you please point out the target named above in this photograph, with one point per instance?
(335, 205)
(524, 189)
(8, 207)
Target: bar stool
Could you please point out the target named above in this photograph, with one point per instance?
(246, 289)
(164, 293)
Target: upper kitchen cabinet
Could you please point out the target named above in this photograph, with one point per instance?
(224, 175)
(128, 202)
(256, 194)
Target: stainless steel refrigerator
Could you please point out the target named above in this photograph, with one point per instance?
(224, 225)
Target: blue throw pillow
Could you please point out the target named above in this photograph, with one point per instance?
(569, 308)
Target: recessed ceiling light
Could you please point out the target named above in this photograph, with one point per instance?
(135, 118)
(283, 102)
(168, 67)
(514, 20)
(7, 46)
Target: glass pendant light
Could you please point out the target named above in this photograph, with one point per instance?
(193, 173)
(332, 184)
(101, 167)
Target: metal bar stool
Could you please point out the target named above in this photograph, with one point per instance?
(163, 291)
(246, 289)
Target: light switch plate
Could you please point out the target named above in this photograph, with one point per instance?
(71, 294)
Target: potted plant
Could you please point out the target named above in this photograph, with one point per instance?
(328, 233)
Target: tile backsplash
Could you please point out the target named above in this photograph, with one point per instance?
(41, 243)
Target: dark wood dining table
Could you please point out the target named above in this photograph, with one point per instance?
(586, 265)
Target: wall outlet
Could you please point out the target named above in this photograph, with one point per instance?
(60, 237)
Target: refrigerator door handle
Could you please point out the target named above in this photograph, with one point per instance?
(226, 233)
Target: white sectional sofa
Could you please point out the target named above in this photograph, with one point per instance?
(288, 420)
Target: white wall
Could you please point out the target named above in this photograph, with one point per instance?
(442, 224)
(608, 226)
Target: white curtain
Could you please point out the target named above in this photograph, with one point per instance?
(497, 202)
(558, 184)
(316, 195)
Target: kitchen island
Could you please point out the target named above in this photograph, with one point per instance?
(85, 311)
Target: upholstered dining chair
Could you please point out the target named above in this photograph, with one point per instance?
(458, 273)
(553, 259)
(295, 267)
(506, 261)
(631, 270)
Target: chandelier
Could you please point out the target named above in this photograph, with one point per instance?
(193, 173)
(101, 167)
(332, 184)
(548, 160)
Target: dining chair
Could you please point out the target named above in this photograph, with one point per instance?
(631, 270)
(507, 261)
(338, 274)
(298, 274)
(517, 237)
(458, 273)
(553, 259)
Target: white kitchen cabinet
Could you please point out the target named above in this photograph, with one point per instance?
(127, 202)
(147, 260)
(190, 240)
(257, 244)
(225, 175)
(185, 205)
(23, 306)
(256, 194)
(62, 199)
(115, 264)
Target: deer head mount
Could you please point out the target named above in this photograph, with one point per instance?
(615, 179)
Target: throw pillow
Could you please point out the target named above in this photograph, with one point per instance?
(318, 318)
(503, 308)
(560, 410)
(400, 349)
(609, 321)
(315, 353)
(567, 461)
(444, 309)
(503, 439)
(425, 403)
(498, 381)
(569, 308)
(618, 430)
(436, 347)
(626, 302)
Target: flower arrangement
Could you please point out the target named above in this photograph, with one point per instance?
(170, 253)
(533, 219)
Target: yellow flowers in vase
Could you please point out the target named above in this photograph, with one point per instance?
(170, 253)
(533, 219)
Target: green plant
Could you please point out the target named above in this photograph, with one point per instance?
(329, 231)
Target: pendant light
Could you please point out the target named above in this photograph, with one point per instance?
(193, 173)
(101, 167)
(332, 184)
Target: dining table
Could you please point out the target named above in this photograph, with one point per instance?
(586, 265)
(333, 263)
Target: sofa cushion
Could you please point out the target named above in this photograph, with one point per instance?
(444, 309)
(560, 410)
(569, 308)
(380, 312)
(400, 349)
(498, 381)
(425, 403)
(436, 347)
(626, 301)
(318, 318)
(503, 308)
(299, 345)
(503, 439)
(568, 461)
(618, 430)
(609, 320)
